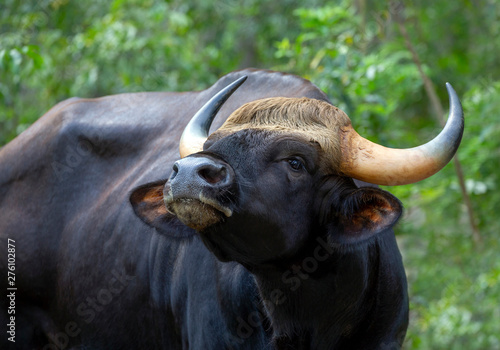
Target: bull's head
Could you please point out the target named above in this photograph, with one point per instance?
(279, 173)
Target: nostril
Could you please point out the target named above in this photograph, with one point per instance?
(213, 175)
(176, 167)
(175, 170)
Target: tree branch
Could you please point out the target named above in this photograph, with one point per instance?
(397, 9)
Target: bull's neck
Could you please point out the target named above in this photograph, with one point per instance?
(314, 300)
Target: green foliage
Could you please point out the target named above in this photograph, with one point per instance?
(454, 297)
(54, 49)
(332, 51)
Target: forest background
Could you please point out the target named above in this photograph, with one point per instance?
(384, 63)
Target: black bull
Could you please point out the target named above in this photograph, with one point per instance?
(90, 274)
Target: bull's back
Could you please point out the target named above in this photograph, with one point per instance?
(81, 155)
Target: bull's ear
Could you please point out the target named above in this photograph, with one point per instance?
(364, 213)
(148, 204)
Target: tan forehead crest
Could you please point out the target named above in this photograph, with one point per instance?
(295, 113)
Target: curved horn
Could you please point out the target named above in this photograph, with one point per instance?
(367, 161)
(196, 132)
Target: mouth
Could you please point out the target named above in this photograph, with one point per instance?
(197, 213)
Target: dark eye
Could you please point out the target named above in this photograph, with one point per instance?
(295, 164)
